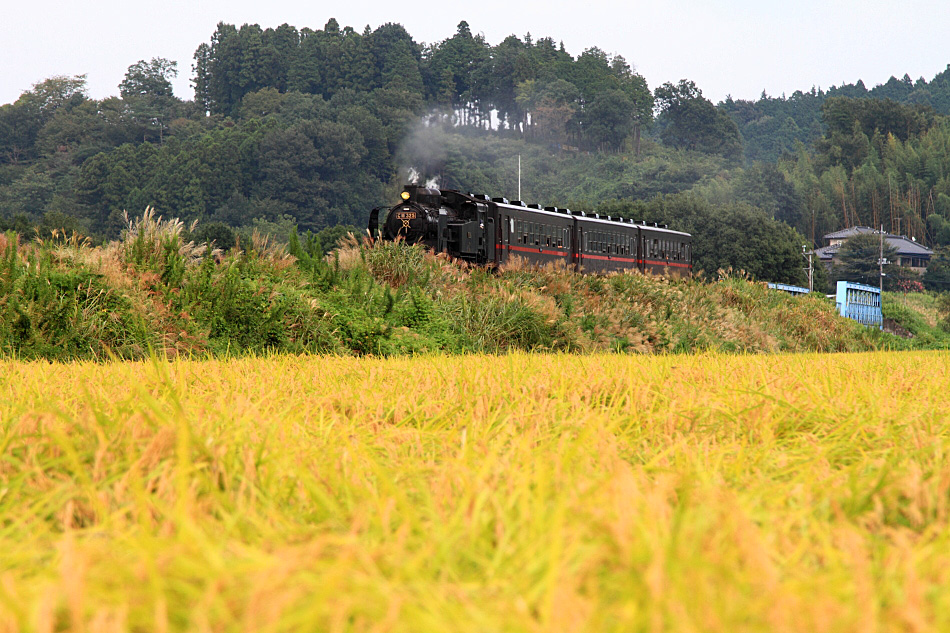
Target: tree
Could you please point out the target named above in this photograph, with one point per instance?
(609, 119)
(21, 122)
(693, 122)
(937, 277)
(551, 105)
(463, 64)
(733, 236)
(149, 79)
(857, 260)
(764, 186)
(396, 58)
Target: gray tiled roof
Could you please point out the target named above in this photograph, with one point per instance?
(902, 244)
(844, 234)
(827, 252)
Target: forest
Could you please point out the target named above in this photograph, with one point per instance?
(300, 130)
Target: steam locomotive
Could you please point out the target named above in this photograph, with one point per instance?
(490, 231)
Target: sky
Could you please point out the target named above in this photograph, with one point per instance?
(731, 47)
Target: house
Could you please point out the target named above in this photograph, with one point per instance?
(910, 254)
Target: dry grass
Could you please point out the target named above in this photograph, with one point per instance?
(515, 493)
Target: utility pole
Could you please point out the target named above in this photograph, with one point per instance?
(810, 270)
(519, 176)
(880, 263)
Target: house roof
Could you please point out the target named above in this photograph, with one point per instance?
(844, 234)
(902, 244)
(827, 252)
(907, 246)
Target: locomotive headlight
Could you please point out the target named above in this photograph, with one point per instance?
(405, 195)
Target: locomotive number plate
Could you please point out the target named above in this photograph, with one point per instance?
(405, 215)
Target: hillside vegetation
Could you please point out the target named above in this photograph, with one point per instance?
(313, 127)
(521, 493)
(153, 292)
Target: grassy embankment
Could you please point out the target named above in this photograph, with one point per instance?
(516, 493)
(63, 300)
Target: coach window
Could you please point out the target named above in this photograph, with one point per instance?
(511, 228)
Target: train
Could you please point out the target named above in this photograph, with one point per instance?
(491, 231)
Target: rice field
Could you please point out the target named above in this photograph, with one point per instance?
(517, 493)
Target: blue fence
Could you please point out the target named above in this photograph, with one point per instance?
(792, 290)
(859, 302)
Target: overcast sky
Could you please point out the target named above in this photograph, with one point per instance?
(737, 47)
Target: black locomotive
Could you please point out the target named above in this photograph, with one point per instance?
(489, 231)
